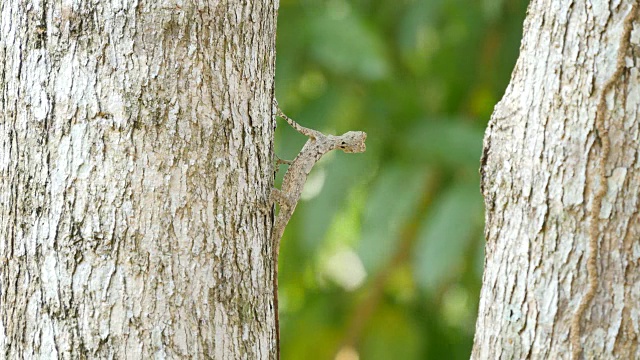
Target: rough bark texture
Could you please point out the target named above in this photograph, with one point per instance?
(561, 178)
(135, 149)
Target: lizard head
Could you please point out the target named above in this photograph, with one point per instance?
(352, 142)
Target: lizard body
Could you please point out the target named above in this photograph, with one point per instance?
(293, 182)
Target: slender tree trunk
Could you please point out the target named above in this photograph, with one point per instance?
(135, 151)
(561, 178)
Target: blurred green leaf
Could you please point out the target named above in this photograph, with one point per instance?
(313, 333)
(393, 200)
(317, 215)
(452, 142)
(421, 78)
(418, 35)
(344, 45)
(492, 8)
(446, 233)
(392, 335)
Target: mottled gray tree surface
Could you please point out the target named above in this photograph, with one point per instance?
(135, 150)
(561, 178)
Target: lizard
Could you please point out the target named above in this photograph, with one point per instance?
(293, 182)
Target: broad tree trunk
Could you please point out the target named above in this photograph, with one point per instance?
(135, 152)
(561, 180)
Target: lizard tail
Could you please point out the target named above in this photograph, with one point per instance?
(276, 235)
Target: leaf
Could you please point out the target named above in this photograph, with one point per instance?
(394, 198)
(393, 334)
(451, 142)
(344, 45)
(446, 233)
(343, 171)
(418, 37)
(312, 333)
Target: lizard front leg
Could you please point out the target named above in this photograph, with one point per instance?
(278, 196)
(282, 161)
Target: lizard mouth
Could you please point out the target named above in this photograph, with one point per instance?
(358, 149)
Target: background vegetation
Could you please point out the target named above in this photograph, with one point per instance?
(384, 256)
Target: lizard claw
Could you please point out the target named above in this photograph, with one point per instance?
(282, 162)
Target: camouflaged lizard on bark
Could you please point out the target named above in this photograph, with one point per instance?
(294, 179)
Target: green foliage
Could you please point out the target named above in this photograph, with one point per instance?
(340, 41)
(445, 234)
(392, 202)
(383, 257)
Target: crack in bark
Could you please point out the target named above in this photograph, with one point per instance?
(603, 135)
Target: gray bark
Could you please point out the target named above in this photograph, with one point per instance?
(135, 151)
(561, 178)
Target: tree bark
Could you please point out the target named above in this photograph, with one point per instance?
(561, 178)
(135, 151)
